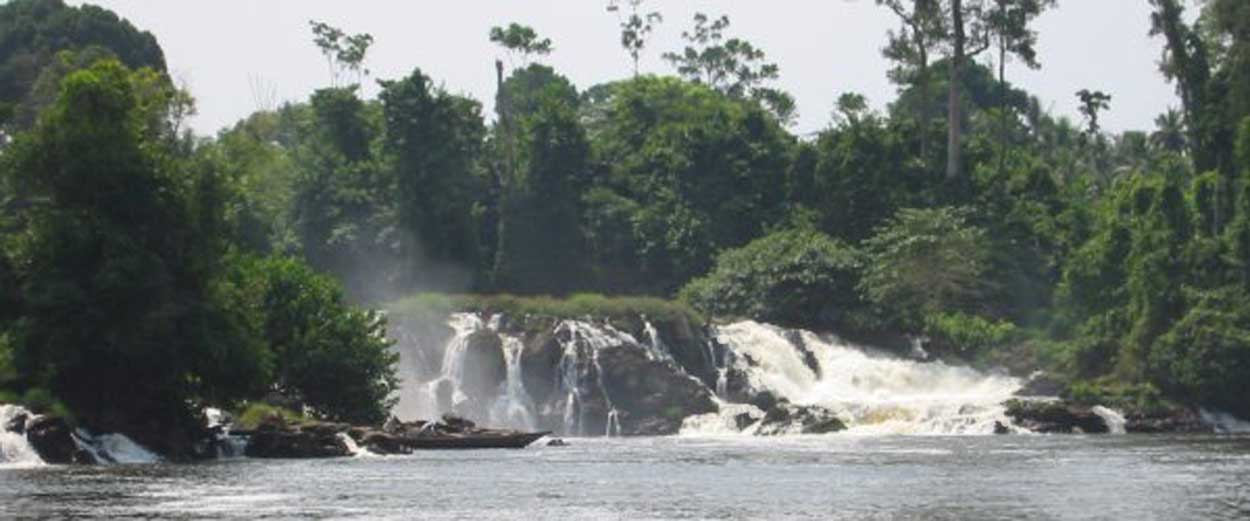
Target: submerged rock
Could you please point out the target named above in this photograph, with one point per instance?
(1055, 417)
(787, 418)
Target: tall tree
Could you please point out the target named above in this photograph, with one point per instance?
(343, 52)
(434, 140)
(1009, 22)
(521, 41)
(732, 66)
(911, 49)
(635, 27)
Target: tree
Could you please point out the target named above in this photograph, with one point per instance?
(1093, 103)
(1170, 133)
(924, 262)
(343, 213)
(520, 41)
(1008, 21)
(123, 244)
(798, 277)
(330, 357)
(343, 52)
(540, 247)
(732, 66)
(434, 140)
(635, 28)
(911, 49)
(33, 33)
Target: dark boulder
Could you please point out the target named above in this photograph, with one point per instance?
(1166, 420)
(1040, 385)
(53, 439)
(484, 365)
(691, 348)
(653, 397)
(383, 443)
(308, 440)
(540, 365)
(1055, 417)
(788, 418)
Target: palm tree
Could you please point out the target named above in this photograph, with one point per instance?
(1170, 132)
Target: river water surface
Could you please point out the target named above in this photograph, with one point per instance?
(809, 477)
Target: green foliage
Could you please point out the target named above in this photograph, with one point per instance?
(970, 334)
(434, 141)
(256, 414)
(33, 32)
(123, 248)
(333, 358)
(799, 277)
(698, 171)
(521, 40)
(731, 66)
(1205, 357)
(924, 262)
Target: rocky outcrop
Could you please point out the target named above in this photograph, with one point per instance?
(306, 440)
(1055, 417)
(787, 418)
(485, 365)
(1040, 385)
(1165, 420)
(53, 438)
(652, 397)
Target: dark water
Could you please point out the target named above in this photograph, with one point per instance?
(835, 477)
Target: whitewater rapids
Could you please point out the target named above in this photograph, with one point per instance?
(873, 393)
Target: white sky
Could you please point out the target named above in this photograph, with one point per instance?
(220, 48)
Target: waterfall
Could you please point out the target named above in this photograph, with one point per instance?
(514, 406)
(114, 448)
(873, 393)
(1115, 421)
(15, 450)
(655, 346)
(445, 392)
(578, 336)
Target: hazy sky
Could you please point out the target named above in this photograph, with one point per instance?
(221, 48)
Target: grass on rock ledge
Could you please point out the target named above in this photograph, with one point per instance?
(576, 306)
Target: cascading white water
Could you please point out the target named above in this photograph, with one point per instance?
(655, 345)
(577, 336)
(15, 450)
(514, 406)
(114, 448)
(445, 393)
(1114, 420)
(871, 392)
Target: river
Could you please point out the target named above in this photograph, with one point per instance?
(840, 476)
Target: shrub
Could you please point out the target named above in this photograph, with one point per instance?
(797, 277)
(970, 334)
(256, 414)
(925, 261)
(1204, 358)
(332, 357)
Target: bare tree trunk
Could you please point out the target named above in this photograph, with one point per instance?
(954, 132)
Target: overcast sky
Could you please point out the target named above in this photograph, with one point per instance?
(222, 48)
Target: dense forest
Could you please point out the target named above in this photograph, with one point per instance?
(146, 271)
